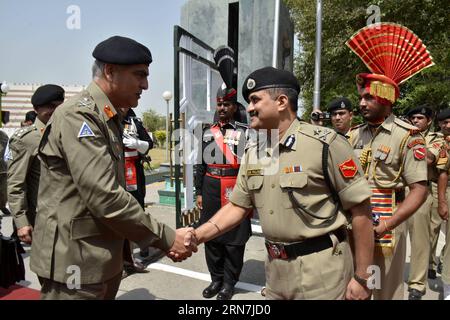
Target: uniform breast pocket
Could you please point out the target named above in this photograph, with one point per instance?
(295, 182)
(255, 186)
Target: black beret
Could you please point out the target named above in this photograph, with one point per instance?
(424, 109)
(340, 103)
(46, 94)
(121, 50)
(444, 114)
(267, 78)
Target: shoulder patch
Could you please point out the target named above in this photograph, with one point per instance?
(85, 131)
(86, 100)
(20, 133)
(415, 142)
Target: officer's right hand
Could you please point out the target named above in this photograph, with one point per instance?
(24, 234)
(200, 202)
(185, 243)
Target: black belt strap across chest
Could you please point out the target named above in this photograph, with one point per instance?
(300, 209)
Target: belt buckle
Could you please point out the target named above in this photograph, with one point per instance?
(276, 251)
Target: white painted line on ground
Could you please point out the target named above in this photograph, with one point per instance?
(200, 276)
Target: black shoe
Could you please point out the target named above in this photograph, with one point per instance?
(226, 293)
(144, 253)
(415, 294)
(5, 211)
(211, 290)
(431, 274)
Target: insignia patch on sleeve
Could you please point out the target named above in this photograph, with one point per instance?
(85, 131)
(420, 153)
(415, 142)
(348, 168)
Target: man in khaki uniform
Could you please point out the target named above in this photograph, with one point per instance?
(444, 199)
(341, 111)
(23, 162)
(391, 151)
(308, 254)
(3, 173)
(84, 212)
(426, 221)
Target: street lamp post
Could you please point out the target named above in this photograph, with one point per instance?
(167, 95)
(4, 88)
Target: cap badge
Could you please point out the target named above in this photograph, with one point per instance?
(251, 84)
(342, 105)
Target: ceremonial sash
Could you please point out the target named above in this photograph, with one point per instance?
(383, 205)
(130, 169)
(224, 148)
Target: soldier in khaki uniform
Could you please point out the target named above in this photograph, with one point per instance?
(289, 182)
(84, 212)
(24, 165)
(444, 200)
(426, 221)
(3, 173)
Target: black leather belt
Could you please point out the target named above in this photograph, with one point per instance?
(289, 251)
(223, 172)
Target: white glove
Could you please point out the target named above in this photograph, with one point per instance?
(133, 143)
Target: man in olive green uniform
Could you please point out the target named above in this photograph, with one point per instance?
(3, 173)
(23, 162)
(84, 212)
(289, 181)
(426, 221)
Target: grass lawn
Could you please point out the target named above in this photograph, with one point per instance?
(158, 156)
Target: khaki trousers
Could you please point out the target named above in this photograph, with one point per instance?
(322, 275)
(392, 267)
(426, 227)
(52, 290)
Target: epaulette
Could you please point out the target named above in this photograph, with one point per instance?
(85, 101)
(413, 130)
(320, 133)
(20, 133)
(356, 127)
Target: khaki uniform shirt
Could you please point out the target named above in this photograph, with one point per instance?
(264, 180)
(397, 156)
(435, 143)
(84, 211)
(23, 174)
(3, 168)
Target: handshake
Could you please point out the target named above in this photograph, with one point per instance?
(185, 243)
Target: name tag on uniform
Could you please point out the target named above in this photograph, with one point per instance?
(254, 172)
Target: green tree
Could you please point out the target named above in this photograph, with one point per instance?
(153, 121)
(160, 136)
(429, 19)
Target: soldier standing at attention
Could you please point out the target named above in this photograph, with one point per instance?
(84, 211)
(214, 182)
(24, 165)
(392, 153)
(288, 180)
(426, 221)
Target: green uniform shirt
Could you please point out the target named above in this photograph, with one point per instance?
(397, 156)
(298, 165)
(23, 174)
(84, 211)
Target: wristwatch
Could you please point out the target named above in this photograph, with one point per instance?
(360, 280)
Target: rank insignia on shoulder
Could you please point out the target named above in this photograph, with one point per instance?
(293, 169)
(420, 153)
(254, 172)
(85, 131)
(415, 142)
(348, 168)
(414, 131)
